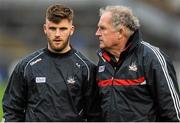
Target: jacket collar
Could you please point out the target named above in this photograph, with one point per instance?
(133, 41)
(52, 54)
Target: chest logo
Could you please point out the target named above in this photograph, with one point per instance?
(133, 67)
(71, 80)
(78, 65)
(101, 68)
(40, 79)
(36, 61)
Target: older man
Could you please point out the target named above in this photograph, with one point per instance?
(137, 81)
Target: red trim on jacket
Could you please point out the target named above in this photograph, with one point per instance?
(120, 82)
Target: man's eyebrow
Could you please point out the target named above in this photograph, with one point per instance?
(52, 27)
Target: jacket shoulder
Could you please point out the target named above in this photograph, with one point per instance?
(84, 59)
(153, 53)
(150, 51)
(23, 63)
(88, 65)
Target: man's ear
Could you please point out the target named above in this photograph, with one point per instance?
(120, 33)
(44, 28)
(72, 30)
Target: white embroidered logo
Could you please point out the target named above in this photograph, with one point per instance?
(101, 68)
(71, 80)
(40, 79)
(133, 67)
(78, 65)
(36, 61)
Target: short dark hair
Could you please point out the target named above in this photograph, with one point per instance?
(57, 12)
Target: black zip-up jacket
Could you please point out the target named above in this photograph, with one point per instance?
(141, 86)
(52, 87)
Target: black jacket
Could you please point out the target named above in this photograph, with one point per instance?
(141, 86)
(49, 87)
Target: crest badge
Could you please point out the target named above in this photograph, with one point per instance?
(71, 80)
(133, 67)
(101, 68)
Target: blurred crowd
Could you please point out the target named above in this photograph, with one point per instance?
(21, 27)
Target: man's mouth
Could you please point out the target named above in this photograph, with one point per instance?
(100, 40)
(57, 40)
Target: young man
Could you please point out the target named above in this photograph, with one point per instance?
(56, 83)
(137, 81)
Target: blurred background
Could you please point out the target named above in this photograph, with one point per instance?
(21, 28)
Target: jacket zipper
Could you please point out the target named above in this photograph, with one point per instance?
(113, 76)
(112, 92)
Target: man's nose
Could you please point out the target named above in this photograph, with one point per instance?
(57, 32)
(98, 32)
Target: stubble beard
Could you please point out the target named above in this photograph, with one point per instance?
(58, 48)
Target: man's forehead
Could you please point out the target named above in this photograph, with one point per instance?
(105, 18)
(62, 22)
(106, 15)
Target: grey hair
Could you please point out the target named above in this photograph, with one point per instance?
(122, 16)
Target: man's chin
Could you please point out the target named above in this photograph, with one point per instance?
(101, 46)
(57, 49)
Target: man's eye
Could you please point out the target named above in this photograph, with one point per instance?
(63, 28)
(52, 28)
(101, 28)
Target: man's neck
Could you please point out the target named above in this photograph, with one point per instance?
(60, 52)
(116, 51)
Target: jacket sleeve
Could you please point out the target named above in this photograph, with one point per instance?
(163, 85)
(92, 100)
(14, 99)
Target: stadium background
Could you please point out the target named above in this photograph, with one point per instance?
(21, 28)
